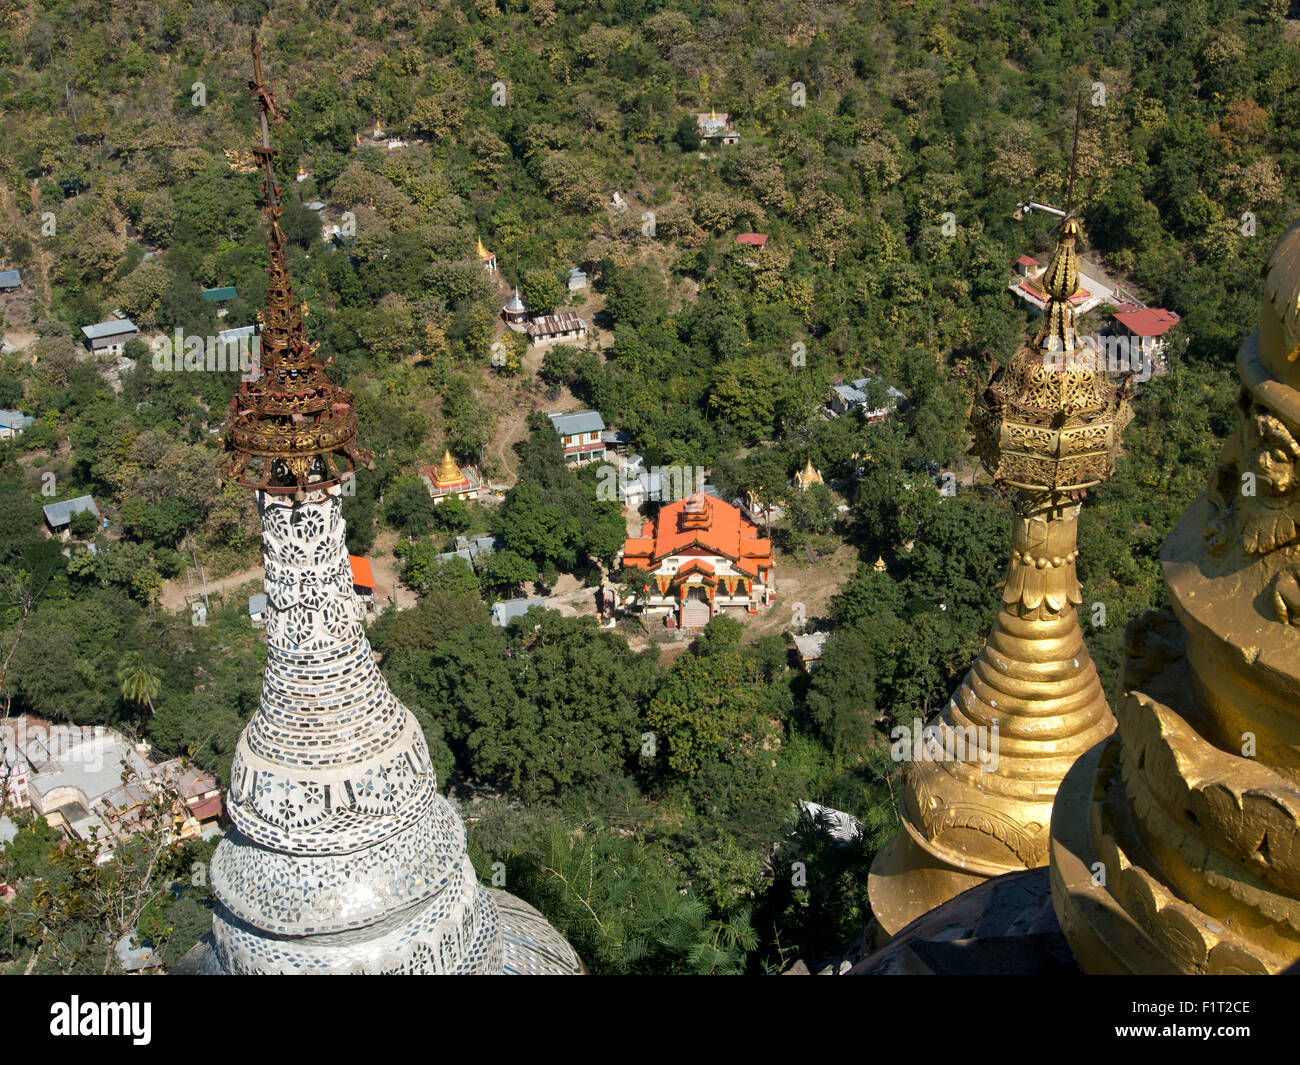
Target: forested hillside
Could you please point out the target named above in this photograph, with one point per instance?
(883, 149)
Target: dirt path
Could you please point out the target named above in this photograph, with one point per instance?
(173, 592)
(571, 597)
(382, 565)
(512, 421)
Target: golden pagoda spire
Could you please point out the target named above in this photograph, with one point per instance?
(481, 251)
(978, 792)
(286, 430)
(1176, 844)
(448, 471)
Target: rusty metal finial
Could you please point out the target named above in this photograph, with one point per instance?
(292, 429)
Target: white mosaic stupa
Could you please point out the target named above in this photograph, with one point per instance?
(343, 857)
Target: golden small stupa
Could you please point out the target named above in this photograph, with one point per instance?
(1176, 844)
(449, 475)
(977, 797)
(807, 477)
(879, 564)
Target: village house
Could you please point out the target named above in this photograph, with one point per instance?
(756, 241)
(697, 558)
(637, 485)
(363, 581)
(75, 779)
(577, 279)
(12, 423)
(552, 328)
(809, 647)
(1147, 330)
(199, 791)
(504, 612)
(257, 610)
(617, 441)
(58, 516)
(234, 342)
(448, 480)
(109, 338)
(854, 396)
(13, 772)
(580, 436)
(715, 128)
(471, 548)
(221, 297)
(10, 279)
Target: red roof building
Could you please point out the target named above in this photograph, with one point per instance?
(1145, 321)
(754, 240)
(697, 557)
(363, 578)
(1028, 266)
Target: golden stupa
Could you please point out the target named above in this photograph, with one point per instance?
(1176, 844)
(448, 474)
(808, 476)
(978, 792)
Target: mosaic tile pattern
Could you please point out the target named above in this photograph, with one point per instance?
(343, 857)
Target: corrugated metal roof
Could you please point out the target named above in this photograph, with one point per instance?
(108, 329)
(554, 324)
(217, 295)
(1148, 321)
(505, 612)
(10, 279)
(582, 421)
(59, 514)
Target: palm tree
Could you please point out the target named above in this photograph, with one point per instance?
(139, 680)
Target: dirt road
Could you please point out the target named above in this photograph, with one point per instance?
(382, 565)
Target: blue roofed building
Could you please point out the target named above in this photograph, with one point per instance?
(109, 338)
(581, 436)
(845, 399)
(59, 515)
(12, 423)
(504, 612)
